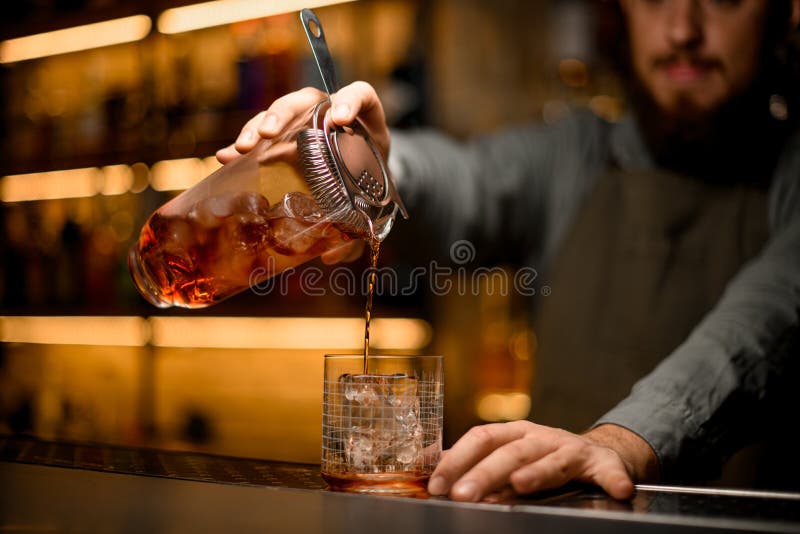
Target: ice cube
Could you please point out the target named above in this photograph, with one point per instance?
(360, 450)
(360, 392)
(291, 237)
(251, 202)
(230, 252)
(407, 452)
(276, 211)
(203, 216)
(296, 205)
(173, 235)
(168, 253)
(299, 226)
(383, 430)
(301, 206)
(245, 233)
(324, 230)
(210, 212)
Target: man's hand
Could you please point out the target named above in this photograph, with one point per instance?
(355, 100)
(527, 457)
(289, 112)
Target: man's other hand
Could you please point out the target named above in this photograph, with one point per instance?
(522, 457)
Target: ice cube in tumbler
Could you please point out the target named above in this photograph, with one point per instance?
(382, 421)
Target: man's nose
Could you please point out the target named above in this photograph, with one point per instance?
(685, 23)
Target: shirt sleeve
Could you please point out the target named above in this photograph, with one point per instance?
(508, 193)
(713, 393)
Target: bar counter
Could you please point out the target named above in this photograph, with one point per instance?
(69, 487)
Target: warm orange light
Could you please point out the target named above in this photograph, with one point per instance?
(503, 406)
(208, 14)
(71, 183)
(110, 32)
(106, 331)
(217, 332)
(117, 179)
(177, 174)
(287, 333)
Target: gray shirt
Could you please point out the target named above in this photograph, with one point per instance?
(526, 185)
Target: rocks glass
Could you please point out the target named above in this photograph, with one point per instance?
(381, 430)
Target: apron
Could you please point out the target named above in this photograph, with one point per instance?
(648, 255)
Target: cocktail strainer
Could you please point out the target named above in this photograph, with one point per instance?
(342, 166)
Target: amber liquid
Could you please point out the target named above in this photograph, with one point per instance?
(410, 483)
(225, 244)
(375, 248)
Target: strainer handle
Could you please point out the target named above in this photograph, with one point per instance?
(316, 38)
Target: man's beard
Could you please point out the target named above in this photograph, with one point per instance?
(735, 142)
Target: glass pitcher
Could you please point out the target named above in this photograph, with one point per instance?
(259, 215)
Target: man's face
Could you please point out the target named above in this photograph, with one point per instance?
(693, 56)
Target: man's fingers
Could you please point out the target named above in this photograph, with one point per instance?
(617, 484)
(354, 100)
(609, 473)
(271, 122)
(493, 472)
(229, 153)
(593, 464)
(473, 446)
(360, 100)
(291, 112)
(552, 471)
(528, 458)
(248, 137)
(287, 109)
